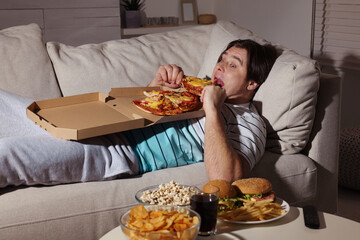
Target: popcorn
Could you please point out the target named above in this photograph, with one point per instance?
(168, 194)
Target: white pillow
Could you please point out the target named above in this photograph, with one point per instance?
(288, 97)
(126, 62)
(25, 66)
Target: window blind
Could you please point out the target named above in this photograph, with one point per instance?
(336, 36)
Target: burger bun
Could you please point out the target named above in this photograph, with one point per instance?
(226, 189)
(252, 185)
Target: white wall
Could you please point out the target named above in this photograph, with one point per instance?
(167, 8)
(287, 22)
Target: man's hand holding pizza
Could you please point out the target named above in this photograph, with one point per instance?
(169, 75)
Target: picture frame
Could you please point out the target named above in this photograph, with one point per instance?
(189, 12)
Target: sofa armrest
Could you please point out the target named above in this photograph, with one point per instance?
(323, 146)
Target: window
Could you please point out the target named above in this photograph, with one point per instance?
(337, 33)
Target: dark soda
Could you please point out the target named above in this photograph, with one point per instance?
(206, 207)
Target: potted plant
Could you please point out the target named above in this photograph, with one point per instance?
(132, 12)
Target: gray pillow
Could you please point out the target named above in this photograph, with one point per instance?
(25, 66)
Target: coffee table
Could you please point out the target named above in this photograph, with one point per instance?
(290, 227)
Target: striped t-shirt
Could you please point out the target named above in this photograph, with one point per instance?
(180, 143)
(244, 129)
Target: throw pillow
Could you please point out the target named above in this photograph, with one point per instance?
(25, 66)
(288, 97)
(126, 62)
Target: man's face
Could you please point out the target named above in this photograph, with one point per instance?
(231, 73)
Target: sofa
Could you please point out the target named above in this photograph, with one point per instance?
(300, 106)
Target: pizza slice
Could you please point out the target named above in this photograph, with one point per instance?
(195, 85)
(165, 103)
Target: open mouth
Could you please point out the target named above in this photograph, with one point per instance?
(218, 82)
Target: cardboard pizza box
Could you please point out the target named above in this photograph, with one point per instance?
(94, 114)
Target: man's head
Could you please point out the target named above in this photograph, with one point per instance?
(242, 67)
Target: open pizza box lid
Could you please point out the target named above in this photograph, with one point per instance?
(94, 114)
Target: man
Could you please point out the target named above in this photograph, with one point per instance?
(232, 132)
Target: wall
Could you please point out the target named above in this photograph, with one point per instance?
(165, 8)
(73, 22)
(287, 22)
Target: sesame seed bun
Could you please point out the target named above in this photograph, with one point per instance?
(226, 189)
(253, 185)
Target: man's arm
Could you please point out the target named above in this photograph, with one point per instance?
(221, 160)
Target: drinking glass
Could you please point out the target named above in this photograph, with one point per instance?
(205, 204)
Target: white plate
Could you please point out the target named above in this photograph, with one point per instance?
(284, 205)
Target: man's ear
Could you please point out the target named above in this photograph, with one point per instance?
(252, 85)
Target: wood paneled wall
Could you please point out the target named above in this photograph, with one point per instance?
(72, 22)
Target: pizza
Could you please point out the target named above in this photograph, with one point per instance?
(166, 103)
(195, 85)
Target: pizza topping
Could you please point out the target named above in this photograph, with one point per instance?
(168, 102)
(195, 85)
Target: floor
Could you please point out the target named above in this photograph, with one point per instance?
(349, 204)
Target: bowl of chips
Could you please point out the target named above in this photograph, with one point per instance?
(171, 193)
(160, 222)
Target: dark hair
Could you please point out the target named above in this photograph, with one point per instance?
(260, 60)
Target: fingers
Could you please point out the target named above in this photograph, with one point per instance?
(213, 98)
(171, 75)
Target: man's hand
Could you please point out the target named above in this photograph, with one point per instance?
(169, 75)
(213, 97)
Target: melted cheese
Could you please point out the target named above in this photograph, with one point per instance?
(153, 101)
(199, 82)
(179, 99)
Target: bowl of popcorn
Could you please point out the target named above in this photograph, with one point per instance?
(160, 222)
(171, 193)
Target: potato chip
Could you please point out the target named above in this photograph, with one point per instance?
(139, 212)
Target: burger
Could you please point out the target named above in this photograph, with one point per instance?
(255, 189)
(232, 195)
(228, 196)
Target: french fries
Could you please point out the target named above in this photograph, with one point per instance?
(253, 211)
(160, 224)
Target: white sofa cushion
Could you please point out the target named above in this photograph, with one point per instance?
(126, 62)
(25, 66)
(288, 97)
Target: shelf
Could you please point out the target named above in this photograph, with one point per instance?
(152, 29)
